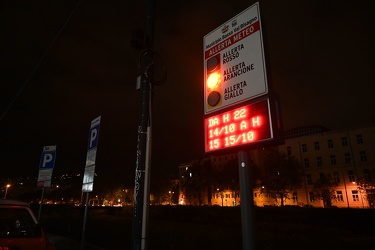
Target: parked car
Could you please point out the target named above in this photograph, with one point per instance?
(19, 228)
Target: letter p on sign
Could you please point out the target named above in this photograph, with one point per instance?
(47, 158)
(93, 137)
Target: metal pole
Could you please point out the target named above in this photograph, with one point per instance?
(146, 197)
(246, 195)
(41, 203)
(84, 222)
(141, 194)
(140, 166)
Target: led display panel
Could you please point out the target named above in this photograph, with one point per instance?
(243, 125)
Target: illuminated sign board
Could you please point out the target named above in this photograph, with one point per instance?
(244, 125)
(88, 176)
(234, 62)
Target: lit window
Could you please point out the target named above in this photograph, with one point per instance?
(289, 150)
(311, 196)
(355, 195)
(316, 145)
(344, 141)
(366, 174)
(336, 177)
(351, 176)
(319, 161)
(308, 179)
(363, 156)
(348, 158)
(339, 196)
(306, 163)
(295, 198)
(333, 159)
(359, 139)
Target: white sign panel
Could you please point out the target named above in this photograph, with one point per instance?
(234, 52)
(44, 178)
(88, 177)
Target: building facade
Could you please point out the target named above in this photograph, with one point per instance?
(344, 157)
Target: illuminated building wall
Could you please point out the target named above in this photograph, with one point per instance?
(345, 155)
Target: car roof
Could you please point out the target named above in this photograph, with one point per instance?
(13, 202)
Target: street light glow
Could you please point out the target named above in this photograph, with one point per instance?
(6, 191)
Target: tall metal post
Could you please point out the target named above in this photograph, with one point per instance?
(84, 222)
(246, 195)
(140, 165)
(41, 203)
(141, 194)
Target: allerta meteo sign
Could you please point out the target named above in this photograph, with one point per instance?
(234, 63)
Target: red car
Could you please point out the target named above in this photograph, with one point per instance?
(19, 228)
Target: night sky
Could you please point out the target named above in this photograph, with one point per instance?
(65, 62)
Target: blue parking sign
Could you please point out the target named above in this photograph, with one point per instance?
(47, 160)
(93, 137)
(94, 133)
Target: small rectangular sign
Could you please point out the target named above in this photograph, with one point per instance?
(44, 178)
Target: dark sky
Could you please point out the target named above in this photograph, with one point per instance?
(65, 62)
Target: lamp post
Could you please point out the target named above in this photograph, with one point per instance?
(6, 191)
(170, 197)
(221, 193)
(57, 193)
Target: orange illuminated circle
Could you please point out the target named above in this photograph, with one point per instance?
(213, 80)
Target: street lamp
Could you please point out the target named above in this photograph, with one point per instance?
(57, 193)
(170, 197)
(221, 193)
(6, 190)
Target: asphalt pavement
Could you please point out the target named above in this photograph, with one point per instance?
(63, 243)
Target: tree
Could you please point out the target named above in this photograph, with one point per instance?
(366, 185)
(198, 181)
(163, 190)
(325, 189)
(282, 175)
(226, 178)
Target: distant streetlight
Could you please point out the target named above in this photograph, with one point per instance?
(170, 197)
(221, 196)
(6, 191)
(57, 193)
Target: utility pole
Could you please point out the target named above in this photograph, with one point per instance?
(143, 154)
